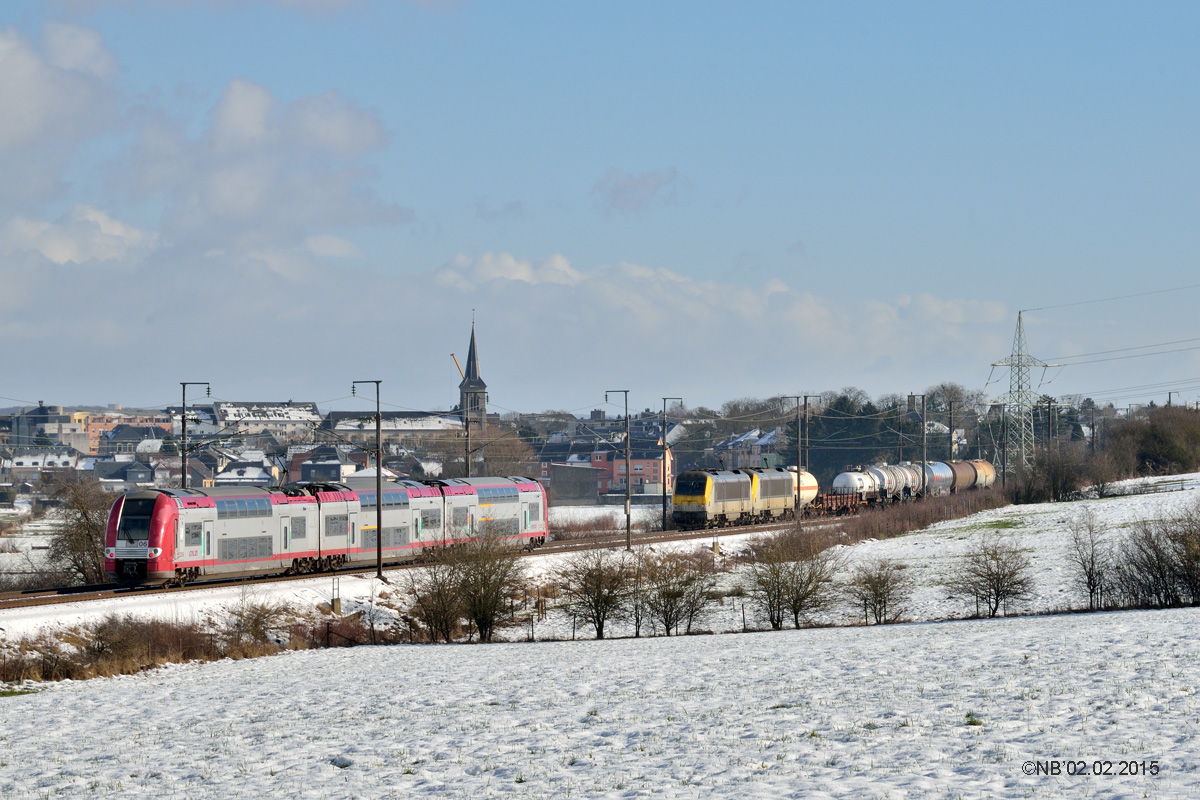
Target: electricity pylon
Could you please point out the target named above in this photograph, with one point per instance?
(1020, 400)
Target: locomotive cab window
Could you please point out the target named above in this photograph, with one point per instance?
(691, 485)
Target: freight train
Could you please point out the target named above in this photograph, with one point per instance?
(165, 536)
(718, 498)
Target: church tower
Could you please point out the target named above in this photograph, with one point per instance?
(472, 392)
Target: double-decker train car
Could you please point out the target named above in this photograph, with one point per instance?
(174, 535)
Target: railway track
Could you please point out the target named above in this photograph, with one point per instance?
(74, 594)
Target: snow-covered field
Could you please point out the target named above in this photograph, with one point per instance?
(834, 712)
(855, 712)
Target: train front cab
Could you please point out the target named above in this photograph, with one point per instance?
(693, 494)
(139, 541)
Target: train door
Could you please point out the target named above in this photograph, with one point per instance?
(285, 538)
(353, 531)
(207, 553)
(417, 519)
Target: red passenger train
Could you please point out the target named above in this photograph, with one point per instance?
(163, 536)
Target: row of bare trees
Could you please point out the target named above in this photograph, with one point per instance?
(667, 592)
(1154, 564)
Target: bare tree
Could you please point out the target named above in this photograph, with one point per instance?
(1185, 536)
(437, 604)
(1091, 558)
(792, 575)
(1147, 571)
(596, 585)
(769, 577)
(993, 573)
(1102, 471)
(488, 575)
(676, 590)
(77, 549)
(881, 588)
(815, 561)
(637, 610)
(508, 454)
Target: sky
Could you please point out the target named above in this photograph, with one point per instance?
(703, 200)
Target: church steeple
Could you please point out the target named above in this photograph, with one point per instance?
(472, 392)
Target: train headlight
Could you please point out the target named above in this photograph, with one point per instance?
(110, 552)
(154, 552)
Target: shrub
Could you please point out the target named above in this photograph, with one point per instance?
(792, 575)
(880, 588)
(1158, 562)
(676, 589)
(488, 576)
(994, 573)
(596, 584)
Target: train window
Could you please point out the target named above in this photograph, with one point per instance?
(193, 533)
(535, 512)
(299, 526)
(459, 518)
(431, 518)
(242, 510)
(367, 499)
(691, 485)
(264, 506)
(244, 549)
(336, 524)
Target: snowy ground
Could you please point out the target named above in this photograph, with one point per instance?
(877, 712)
(846, 712)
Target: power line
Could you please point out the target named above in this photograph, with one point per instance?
(1136, 355)
(1118, 297)
(1126, 349)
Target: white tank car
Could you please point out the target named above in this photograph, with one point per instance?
(861, 484)
(805, 484)
(914, 476)
(885, 479)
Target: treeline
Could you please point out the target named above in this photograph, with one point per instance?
(1156, 441)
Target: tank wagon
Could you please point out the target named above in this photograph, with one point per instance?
(163, 536)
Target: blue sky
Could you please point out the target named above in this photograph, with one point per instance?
(702, 200)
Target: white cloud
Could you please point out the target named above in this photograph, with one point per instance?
(84, 234)
(466, 273)
(331, 247)
(71, 47)
(264, 174)
(241, 120)
(49, 102)
(328, 123)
